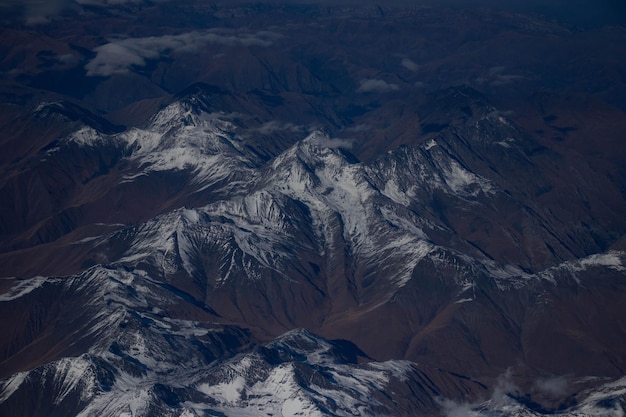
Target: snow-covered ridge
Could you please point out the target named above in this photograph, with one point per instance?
(299, 372)
(509, 276)
(133, 343)
(308, 380)
(612, 260)
(318, 193)
(182, 138)
(309, 190)
(313, 190)
(21, 288)
(409, 173)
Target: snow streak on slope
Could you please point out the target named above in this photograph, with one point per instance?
(10, 385)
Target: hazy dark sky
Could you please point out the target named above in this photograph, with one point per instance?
(581, 12)
(585, 12)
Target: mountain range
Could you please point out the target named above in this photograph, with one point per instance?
(301, 209)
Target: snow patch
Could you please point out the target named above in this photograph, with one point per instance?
(72, 374)
(87, 136)
(612, 259)
(459, 180)
(430, 144)
(228, 392)
(25, 287)
(12, 384)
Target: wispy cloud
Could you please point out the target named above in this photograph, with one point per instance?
(504, 387)
(276, 126)
(499, 397)
(503, 395)
(450, 408)
(409, 64)
(332, 143)
(554, 387)
(372, 85)
(122, 55)
(496, 77)
(38, 12)
(358, 128)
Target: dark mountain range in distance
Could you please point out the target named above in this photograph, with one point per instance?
(585, 13)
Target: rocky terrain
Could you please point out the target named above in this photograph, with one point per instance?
(311, 210)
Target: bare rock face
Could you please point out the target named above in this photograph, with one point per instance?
(260, 223)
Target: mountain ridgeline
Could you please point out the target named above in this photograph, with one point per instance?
(283, 239)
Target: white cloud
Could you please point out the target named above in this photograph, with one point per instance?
(555, 387)
(499, 398)
(373, 85)
(453, 409)
(332, 143)
(409, 64)
(120, 56)
(504, 387)
(67, 59)
(276, 126)
(114, 58)
(496, 77)
(358, 128)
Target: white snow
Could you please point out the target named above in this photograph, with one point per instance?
(506, 143)
(430, 144)
(611, 259)
(23, 287)
(86, 240)
(12, 384)
(392, 190)
(459, 180)
(72, 374)
(293, 407)
(180, 138)
(226, 392)
(87, 136)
